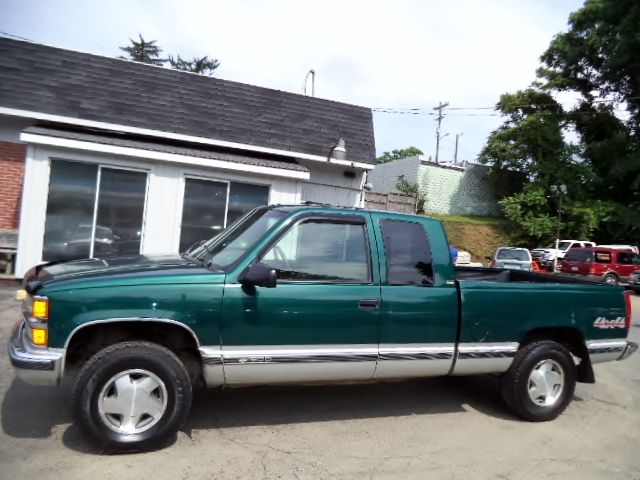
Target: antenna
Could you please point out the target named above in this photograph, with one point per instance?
(311, 72)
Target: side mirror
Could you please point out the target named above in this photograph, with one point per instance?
(259, 275)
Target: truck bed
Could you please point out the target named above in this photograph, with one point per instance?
(502, 275)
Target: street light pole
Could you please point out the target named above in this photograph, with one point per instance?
(559, 191)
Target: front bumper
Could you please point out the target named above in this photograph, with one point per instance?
(34, 365)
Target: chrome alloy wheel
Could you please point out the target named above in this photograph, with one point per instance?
(132, 401)
(546, 383)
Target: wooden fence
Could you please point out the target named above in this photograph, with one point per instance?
(394, 202)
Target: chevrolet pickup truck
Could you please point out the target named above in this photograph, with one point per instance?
(297, 294)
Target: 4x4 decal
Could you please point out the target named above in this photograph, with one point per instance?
(602, 322)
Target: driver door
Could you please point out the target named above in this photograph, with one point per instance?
(321, 321)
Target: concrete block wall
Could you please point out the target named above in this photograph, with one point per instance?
(457, 190)
(384, 177)
(12, 159)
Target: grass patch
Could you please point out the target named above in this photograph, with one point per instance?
(480, 236)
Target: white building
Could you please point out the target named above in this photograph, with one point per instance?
(107, 156)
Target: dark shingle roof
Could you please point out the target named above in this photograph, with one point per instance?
(199, 151)
(51, 80)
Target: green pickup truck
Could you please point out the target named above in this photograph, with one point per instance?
(297, 294)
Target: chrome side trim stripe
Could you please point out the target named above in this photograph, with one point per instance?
(275, 363)
(479, 350)
(416, 352)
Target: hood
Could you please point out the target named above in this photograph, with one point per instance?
(129, 267)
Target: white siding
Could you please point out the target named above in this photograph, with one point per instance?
(161, 230)
(328, 184)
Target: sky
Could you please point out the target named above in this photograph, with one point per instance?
(387, 55)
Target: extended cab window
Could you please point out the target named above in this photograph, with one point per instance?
(409, 260)
(320, 250)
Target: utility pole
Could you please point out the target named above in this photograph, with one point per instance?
(455, 154)
(441, 106)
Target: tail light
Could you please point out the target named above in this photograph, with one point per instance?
(627, 301)
(493, 263)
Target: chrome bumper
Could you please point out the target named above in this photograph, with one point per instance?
(34, 365)
(628, 350)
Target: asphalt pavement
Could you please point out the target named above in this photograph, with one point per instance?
(445, 428)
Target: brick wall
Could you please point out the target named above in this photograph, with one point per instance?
(12, 156)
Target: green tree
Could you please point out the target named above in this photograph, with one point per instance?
(143, 51)
(408, 188)
(148, 52)
(398, 154)
(202, 65)
(596, 59)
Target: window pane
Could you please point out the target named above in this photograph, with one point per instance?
(320, 251)
(120, 212)
(603, 257)
(69, 222)
(409, 259)
(243, 197)
(203, 211)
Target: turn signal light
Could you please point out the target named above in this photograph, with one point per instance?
(39, 336)
(40, 308)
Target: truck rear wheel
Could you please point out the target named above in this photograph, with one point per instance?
(540, 382)
(131, 396)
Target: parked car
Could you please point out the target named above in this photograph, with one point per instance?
(546, 256)
(511, 257)
(601, 264)
(304, 294)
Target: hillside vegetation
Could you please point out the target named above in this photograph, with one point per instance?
(480, 236)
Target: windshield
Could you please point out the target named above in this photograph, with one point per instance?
(235, 240)
(561, 246)
(513, 254)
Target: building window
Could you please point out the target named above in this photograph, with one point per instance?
(210, 205)
(93, 211)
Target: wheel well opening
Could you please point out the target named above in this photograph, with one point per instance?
(91, 339)
(571, 338)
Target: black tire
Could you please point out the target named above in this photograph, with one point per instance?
(515, 383)
(161, 366)
(611, 278)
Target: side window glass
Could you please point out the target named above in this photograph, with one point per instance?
(625, 258)
(321, 251)
(408, 253)
(603, 257)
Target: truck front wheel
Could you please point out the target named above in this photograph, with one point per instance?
(540, 382)
(131, 396)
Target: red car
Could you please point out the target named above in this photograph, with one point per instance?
(601, 264)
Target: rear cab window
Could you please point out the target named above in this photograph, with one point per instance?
(408, 253)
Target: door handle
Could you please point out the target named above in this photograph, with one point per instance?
(369, 304)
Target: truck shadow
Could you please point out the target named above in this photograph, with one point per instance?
(35, 412)
(263, 406)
